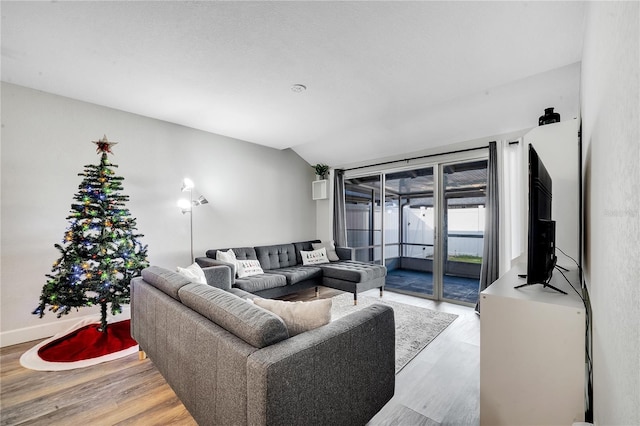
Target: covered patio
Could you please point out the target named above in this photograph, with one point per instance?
(398, 226)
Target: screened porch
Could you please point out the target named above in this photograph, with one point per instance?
(403, 221)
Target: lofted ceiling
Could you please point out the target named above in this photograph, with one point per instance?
(382, 78)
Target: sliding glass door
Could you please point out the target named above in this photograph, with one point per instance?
(410, 230)
(464, 191)
(364, 217)
(426, 224)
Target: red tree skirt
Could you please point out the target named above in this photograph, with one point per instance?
(81, 346)
(88, 342)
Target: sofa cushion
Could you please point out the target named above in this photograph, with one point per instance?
(303, 245)
(314, 257)
(228, 257)
(241, 253)
(296, 274)
(299, 316)
(330, 247)
(193, 272)
(251, 324)
(241, 293)
(349, 270)
(167, 281)
(260, 282)
(248, 267)
(276, 256)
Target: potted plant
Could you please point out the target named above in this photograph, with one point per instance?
(321, 170)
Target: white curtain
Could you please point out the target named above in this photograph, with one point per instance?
(513, 237)
(505, 231)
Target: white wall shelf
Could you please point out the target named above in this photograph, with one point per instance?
(319, 190)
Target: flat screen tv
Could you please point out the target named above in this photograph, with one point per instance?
(541, 243)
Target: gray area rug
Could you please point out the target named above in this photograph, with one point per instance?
(415, 327)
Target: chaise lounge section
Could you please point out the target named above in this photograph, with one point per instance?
(284, 272)
(353, 276)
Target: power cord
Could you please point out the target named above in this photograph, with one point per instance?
(571, 285)
(574, 261)
(587, 328)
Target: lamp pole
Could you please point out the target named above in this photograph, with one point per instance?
(191, 222)
(188, 205)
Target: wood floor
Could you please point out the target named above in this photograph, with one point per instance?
(441, 386)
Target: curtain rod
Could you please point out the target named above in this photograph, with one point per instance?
(416, 158)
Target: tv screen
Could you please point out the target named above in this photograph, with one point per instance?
(541, 256)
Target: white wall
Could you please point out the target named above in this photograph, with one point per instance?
(557, 146)
(257, 195)
(611, 171)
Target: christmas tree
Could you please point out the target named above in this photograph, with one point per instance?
(100, 252)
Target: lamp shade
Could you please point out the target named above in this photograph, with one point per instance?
(200, 200)
(184, 204)
(187, 184)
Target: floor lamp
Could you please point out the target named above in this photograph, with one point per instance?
(187, 206)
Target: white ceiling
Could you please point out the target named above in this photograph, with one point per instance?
(383, 78)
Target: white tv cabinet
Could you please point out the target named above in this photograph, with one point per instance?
(532, 352)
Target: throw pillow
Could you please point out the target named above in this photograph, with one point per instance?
(299, 316)
(193, 272)
(329, 247)
(228, 256)
(314, 257)
(248, 267)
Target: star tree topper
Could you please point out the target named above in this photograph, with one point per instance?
(104, 145)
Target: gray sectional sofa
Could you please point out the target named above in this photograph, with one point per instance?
(233, 363)
(284, 272)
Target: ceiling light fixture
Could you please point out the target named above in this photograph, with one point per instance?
(298, 88)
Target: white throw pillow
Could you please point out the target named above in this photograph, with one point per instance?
(248, 267)
(228, 256)
(299, 316)
(314, 257)
(193, 272)
(329, 247)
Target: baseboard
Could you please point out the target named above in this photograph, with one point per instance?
(37, 332)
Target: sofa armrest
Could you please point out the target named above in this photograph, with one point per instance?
(344, 253)
(205, 262)
(218, 276)
(343, 372)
